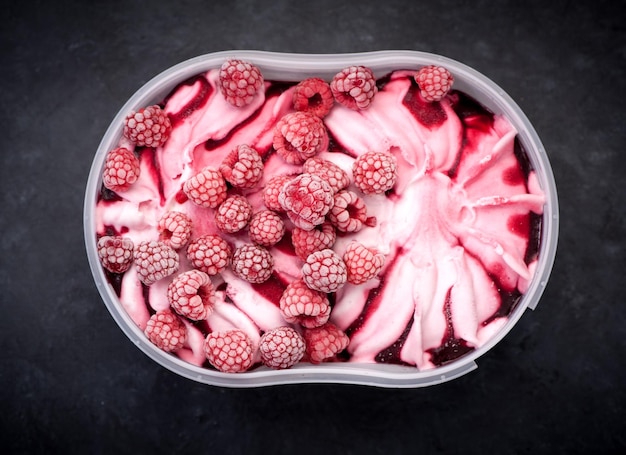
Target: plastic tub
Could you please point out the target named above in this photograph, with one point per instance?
(295, 67)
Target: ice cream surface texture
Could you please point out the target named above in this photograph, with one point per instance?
(452, 243)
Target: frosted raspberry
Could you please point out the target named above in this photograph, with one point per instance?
(354, 87)
(324, 271)
(434, 82)
(374, 172)
(306, 242)
(266, 228)
(252, 263)
(299, 136)
(174, 229)
(325, 342)
(154, 261)
(349, 212)
(165, 330)
(115, 253)
(242, 167)
(191, 294)
(206, 189)
(299, 304)
(230, 351)
(209, 253)
(233, 214)
(306, 199)
(336, 177)
(281, 348)
(148, 127)
(272, 190)
(313, 95)
(239, 81)
(121, 170)
(362, 263)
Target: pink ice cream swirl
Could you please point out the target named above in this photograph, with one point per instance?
(457, 229)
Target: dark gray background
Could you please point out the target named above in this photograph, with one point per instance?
(71, 382)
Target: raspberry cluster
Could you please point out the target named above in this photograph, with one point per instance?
(309, 209)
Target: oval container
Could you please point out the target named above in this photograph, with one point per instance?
(295, 67)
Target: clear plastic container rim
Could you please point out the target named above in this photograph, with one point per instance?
(294, 67)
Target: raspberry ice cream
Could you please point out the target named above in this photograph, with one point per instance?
(431, 243)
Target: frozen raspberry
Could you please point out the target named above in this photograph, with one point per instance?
(166, 331)
(209, 253)
(314, 96)
(349, 212)
(252, 263)
(324, 271)
(374, 172)
(174, 229)
(148, 127)
(281, 348)
(299, 304)
(207, 188)
(242, 167)
(354, 87)
(266, 228)
(115, 253)
(299, 136)
(154, 261)
(325, 342)
(306, 199)
(320, 238)
(192, 295)
(230, 351)
(272, 190)
(336, 177)
(239, 81)
(434, 82)
(121, 170)
(362, 263)
(233, 214)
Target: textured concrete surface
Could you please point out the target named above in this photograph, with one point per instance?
(71, 382)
